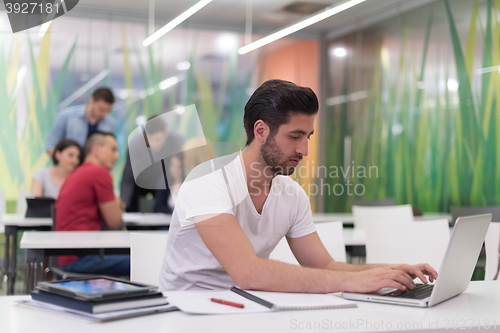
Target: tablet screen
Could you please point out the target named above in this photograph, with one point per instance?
(96, 286)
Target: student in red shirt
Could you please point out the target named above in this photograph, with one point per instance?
(87, 202)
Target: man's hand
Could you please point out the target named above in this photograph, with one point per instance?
(418, 271)
(371, 280)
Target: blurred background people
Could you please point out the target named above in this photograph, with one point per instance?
(87, 202)
(67, 156)
(79, 122)
(161, 140)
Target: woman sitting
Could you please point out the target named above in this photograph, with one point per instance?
(67, 156)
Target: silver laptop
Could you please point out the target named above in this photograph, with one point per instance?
(454, 275)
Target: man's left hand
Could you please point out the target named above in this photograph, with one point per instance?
(418, 271)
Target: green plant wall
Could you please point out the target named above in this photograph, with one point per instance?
(418, 97)
(31, 100)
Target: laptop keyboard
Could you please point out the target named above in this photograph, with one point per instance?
(421, 291)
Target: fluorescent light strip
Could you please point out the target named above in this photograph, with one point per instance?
(175, 22)
(84, 88)
(298, 26)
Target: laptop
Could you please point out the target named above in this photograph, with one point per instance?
(39, 206)
(454, 275)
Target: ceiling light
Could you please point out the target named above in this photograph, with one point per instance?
(298, 26)
(339, 52)
(175, 22)
(452, 85)
(227, 42)
(141, 120)
(183, 65)
(168, 82)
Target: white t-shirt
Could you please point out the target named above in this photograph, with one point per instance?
(219, 186)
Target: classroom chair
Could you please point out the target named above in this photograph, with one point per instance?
(331, 236)
(146, 256)
(21, 202)
(363, 215)
(408, 243)
(3, 204)
(492, 247)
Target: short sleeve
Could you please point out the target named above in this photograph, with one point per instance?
(38, 175)
(303, 223)
(205, 195)
(103, 186)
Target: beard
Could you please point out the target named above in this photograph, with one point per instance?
(273, 156)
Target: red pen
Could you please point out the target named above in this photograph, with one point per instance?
(221, 301)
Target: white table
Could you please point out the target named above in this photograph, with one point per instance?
(479, 305)
(146, 219)
(50, 243)
(13, 224)
(347, 217)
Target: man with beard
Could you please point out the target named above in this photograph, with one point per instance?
(232, 211)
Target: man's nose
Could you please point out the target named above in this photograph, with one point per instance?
(303, 147)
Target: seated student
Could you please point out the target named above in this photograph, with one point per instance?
(87, 202)
(162, 141)
(232, 211)
(47, 182)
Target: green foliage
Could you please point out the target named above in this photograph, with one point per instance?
(434, 146)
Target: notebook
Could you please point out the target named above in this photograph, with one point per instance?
(199, 302)
(455, 272)
(100, 307)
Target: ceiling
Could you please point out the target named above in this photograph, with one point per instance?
(230, 15)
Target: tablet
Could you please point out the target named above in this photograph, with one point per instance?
(97, 289)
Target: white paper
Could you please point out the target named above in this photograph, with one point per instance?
(198, 302)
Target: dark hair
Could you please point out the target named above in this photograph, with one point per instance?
(62, 145)
(274, 101)
(96, 138)
(158, 125)
(104, 94)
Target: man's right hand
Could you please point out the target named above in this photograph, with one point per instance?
(371, 280)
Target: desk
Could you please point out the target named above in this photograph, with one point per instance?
(145, 220)
(51, 243)
(15, 223)
(480, 303)
(348, 219)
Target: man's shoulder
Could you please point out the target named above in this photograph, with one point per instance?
(90, 171)
(72, 111)
(213, 166)
(288, 185)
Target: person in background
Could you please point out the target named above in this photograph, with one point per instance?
(160, 139)
(165, 200)
(87, 202)
(67, 156)
(78, 123)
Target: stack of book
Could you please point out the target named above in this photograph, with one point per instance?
(98, 299)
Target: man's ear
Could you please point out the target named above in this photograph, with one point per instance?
(261, 131)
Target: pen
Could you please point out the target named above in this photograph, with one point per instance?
(221, 301)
